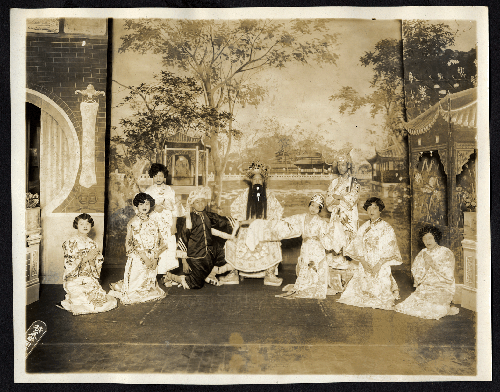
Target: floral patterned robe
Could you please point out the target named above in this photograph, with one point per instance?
(347, 208)
(84, 294)
(312, 267)
(139, 282)
(435, 285)
(266, 254)
(377, 243)
(164, 196)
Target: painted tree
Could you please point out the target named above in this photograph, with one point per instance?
(223, 55)
(160, 110)
(432, 69)
(387, 95)
(417, 62)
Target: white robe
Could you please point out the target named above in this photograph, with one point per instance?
(84, 294)
(139, 282)
(377, 243)
(164, 196)
(435, 285)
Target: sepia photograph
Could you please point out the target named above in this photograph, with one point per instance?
(228, 196)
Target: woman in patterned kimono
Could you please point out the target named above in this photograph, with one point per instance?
(375, 248)
(166, 212)
(434, 275)
(317, 235)
(143, 246)
(82, 268)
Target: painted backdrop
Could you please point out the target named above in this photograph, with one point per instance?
(292, 93)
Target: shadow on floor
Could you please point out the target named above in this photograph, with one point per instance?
(245, 329)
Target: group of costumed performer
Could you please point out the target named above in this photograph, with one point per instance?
(334, 244)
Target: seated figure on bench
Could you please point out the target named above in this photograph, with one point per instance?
(254, 203)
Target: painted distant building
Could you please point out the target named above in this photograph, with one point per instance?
(389, 167)
(283, 168)
(187, 160)
(312, 164)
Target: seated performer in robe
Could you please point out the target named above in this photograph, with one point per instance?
(317, 235)
(375, 248)
(342, 201)
(254, 203)
(434, 275)
(196, 233)
(82, 269)
(143, 245)
(165, 213)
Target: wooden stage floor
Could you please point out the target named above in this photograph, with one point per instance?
(244, 329)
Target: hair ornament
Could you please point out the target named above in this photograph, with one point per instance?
(317, 198)
(256, 167)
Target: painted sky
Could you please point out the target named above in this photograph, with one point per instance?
(299, 94)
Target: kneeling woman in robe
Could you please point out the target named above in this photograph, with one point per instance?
(317, 235)
(375, 248)
(82, 269)
(196, 235)
(434, 275)
(143, 245)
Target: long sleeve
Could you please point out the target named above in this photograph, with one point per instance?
(388, 246)
(350, 193)
(330, 193)
(418, 269)
(99, 260)
(72, 258)
(183, 232)
(274, 208)
(444, 264)
(351, 198)
(289, 227)
(332, 236)
(172, 202)
(75, 250)
(355, 250)
(131, 243)
(447, 265)
(220, 223)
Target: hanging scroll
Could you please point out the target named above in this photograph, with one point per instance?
(88, 110)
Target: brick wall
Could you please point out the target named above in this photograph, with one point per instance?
(57, 66)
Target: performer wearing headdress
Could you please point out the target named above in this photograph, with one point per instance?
(317, 236)
(341, 200)
(252, 206)
(196, 233)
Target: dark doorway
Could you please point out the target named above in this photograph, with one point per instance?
(33, 115)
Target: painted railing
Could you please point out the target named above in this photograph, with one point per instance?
(233, 177)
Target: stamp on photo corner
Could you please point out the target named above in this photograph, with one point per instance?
(33, 335)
